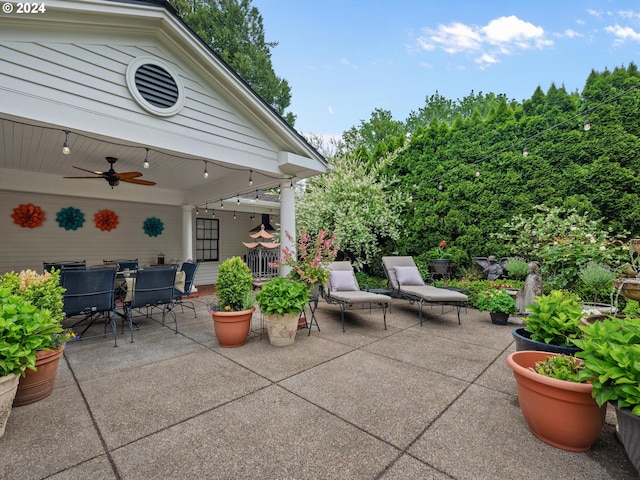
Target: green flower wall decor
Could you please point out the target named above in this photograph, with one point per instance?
(70, 218)
(153, 226)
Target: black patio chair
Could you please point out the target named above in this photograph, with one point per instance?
(123, 264)
(68, 265)
(90, 294)
(190, 269)
(153, 287)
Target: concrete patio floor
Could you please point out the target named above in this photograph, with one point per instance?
(431, 402)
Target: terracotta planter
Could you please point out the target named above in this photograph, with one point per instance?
(560, 413)
(282, 329)
(8, 387)
(232, 328)
(499, 318)
(39, 384)
(629, 426)
(524, 342)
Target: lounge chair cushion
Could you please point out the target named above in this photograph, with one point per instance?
(409, 276)
(343, 281)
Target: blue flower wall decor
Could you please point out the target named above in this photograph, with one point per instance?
(153, 226)
(70, 218)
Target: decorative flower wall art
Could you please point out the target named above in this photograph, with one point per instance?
(106, 220)
(153, 226)
(70, 218)
(28, 216)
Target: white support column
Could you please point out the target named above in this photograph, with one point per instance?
(287, 220)
(187, 233)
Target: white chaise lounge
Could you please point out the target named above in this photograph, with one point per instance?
(405, 282)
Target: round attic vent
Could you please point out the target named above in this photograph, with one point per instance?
(155, 86)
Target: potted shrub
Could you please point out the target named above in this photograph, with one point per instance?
(44, 292)
(233, 311)
(597, 280)
(517, 268)
(24, 329)
(281, 301)
(499, 304)
(552, 325)
(556, 400)
(610, 350)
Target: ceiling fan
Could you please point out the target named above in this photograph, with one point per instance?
(114, 178)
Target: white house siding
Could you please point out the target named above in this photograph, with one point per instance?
(76, 81)
(22, 248)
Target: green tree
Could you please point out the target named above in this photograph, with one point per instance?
(357, 203)
(234, 30)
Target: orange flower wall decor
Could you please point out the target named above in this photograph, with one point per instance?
(106, 220)
(28, 216)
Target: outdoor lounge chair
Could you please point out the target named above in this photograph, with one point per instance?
(405, 282)
(343, 289)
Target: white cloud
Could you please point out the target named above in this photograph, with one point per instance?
(426, 65)
(330, 110)
(347, 63)
(568, 33)
(501, 36)
(623, 34)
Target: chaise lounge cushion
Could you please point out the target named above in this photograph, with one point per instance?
(409, 276)
(343, 281)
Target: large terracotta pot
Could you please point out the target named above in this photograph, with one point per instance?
(282, 329)
(558, 412)
(39, 384)
(232, 328)
(8, 387)
(629, 426)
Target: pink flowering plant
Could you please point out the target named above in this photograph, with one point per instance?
(310, 258)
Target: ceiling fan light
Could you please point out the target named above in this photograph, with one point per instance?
(65, 146)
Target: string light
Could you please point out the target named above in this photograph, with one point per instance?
(206, 208)
(221, 205)
(250, 177)
(65, 146)
(213, 214)
(206, 173)
(234, 215)
(197, 211)
(238, 202)
(257, 199)
(146, 159)
(587, 125)
(525, 152)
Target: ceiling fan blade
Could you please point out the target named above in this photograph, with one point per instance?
(90, 171)
(90, 178)
(126, 175)
(138, 181)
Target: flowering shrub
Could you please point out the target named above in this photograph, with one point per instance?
(309, 260)
(495, 300)
(561, 241)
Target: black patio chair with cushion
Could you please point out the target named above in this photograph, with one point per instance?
(189, 269)
(90, 294)
(153, 287)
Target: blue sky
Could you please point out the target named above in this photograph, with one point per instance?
(345, 58)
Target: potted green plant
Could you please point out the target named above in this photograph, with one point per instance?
(281, 301)
(556, 400)
(597, 280)
(552, 325)
(440, 262)
(498, 303)
(610, 350)
(24, 330)
(517, 268)
(44, 292)
(233, 310)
